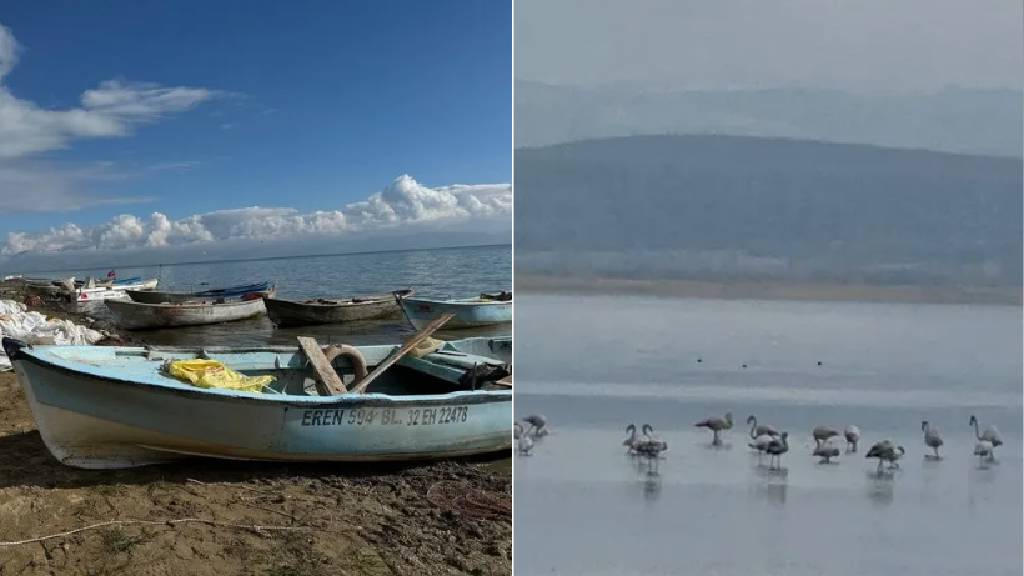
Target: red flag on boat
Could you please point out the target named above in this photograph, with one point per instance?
(111, 274)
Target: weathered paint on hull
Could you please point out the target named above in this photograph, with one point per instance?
(468, 314)
(92, 422)
(138, 316)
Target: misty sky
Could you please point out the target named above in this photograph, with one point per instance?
(861, 45)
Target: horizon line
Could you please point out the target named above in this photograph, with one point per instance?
(227, 260)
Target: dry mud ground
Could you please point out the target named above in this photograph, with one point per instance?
(441, 518)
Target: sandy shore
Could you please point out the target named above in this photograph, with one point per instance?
(748, 290)
(450, 517)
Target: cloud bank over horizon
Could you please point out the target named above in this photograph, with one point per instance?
(404, 202)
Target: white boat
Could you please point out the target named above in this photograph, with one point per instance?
(106, 291)
(115, 407)
(469, 312)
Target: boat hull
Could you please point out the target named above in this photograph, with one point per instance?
(467, 314)
(139, 316)
(290, 313)
(89, 421)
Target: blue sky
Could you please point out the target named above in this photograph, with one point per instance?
(184, 108)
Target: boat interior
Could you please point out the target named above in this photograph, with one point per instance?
(446, 370)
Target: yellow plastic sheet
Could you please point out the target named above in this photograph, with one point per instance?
(214, 374)
(426, 346)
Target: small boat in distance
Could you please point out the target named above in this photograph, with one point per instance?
(141, 316)
(117, 407)
(157, 297)
(323, 311)
(469, 312)
(90, 291)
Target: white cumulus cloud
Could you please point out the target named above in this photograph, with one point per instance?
(404, 202)
(114, 108)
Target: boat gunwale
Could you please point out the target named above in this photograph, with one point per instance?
(338, 303)
(459, 302)
(25, 352)
(188, 303)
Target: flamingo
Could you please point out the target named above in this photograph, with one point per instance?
(932, 438)
(852, 434)
(631, 440)
(886, 451)
(716, 425)
(826, 452)
(650, 444)
(756, 430)
(524, 443)
(822, 433)
(761, 444)
(538, 425)
(990, 435)
(650, 447)
(776, 448)
(983, 449)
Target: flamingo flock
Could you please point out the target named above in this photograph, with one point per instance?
(767, 439)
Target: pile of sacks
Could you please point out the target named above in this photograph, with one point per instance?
(32, 327)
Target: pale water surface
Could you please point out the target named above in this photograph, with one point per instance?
(594, 364)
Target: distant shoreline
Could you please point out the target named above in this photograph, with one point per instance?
(770, 290)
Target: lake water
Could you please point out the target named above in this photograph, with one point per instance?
(445, 272)
(594, 364)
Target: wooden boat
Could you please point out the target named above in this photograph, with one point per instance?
(307, 312)
(469, 312)
(115, 407)
(106, 291)
(159, 297)
(141, 316)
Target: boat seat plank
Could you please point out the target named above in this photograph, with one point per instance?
(327, 381)
(446, 372)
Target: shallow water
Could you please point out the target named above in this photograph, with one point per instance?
(443, 273)
(594, 364)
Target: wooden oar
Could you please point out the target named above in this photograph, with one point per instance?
(327, 381)
(396, 355)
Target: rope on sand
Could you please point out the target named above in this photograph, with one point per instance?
(257, 528)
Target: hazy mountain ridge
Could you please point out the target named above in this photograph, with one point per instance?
(975, 121)
(728, 206)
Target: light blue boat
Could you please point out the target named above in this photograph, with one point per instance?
(114, 407)
(469, 312)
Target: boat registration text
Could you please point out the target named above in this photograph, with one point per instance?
(386, 416)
